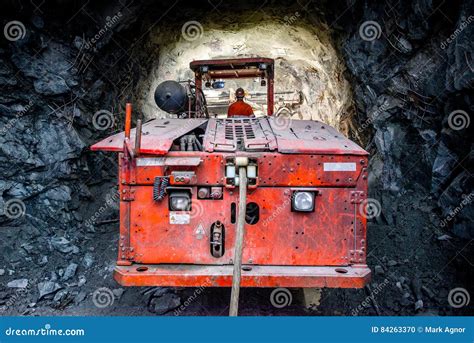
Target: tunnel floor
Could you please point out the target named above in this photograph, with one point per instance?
(397, 283)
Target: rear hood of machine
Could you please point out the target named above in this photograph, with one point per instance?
(157, 136)
(249, 134)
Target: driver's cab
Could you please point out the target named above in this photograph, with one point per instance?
(234, 88)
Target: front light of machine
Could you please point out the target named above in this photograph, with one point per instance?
(180, 201)
(303, 201)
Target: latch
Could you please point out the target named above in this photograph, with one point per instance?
(217, 239)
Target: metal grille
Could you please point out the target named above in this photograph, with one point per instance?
(237, 129)
(229, 134)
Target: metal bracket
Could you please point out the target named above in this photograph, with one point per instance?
(128, 194)
(357, 197)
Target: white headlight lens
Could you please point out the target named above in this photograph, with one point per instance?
(180, 203)
(303, 201)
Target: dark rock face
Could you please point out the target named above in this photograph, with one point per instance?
(412, 76)
(50, 92)
(413, 84)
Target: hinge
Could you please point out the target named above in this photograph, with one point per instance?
(357, 254)
(128, 194)
(357, 197)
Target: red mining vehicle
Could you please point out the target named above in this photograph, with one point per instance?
(241, 202)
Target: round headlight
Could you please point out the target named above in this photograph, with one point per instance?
(303, 201)
(180, 201)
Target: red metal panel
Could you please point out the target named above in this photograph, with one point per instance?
(274, 169)
(157, 136)
(258, 276)
(311, 137)
(281, 237)
(232, 63)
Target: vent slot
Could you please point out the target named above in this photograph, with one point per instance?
(253, 134)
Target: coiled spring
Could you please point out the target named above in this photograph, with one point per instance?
(159, 187)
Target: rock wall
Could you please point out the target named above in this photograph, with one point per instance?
(411, 65)
(66, 70)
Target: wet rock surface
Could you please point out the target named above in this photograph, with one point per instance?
(412, 87)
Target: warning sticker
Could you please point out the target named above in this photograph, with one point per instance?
(179, 218)
(199, 232)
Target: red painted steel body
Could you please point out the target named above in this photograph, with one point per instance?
(322, 248)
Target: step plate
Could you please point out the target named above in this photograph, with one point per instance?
(259, 276)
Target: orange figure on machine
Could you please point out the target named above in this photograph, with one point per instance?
(239, 108)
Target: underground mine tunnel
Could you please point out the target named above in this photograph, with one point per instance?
(395, 78)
